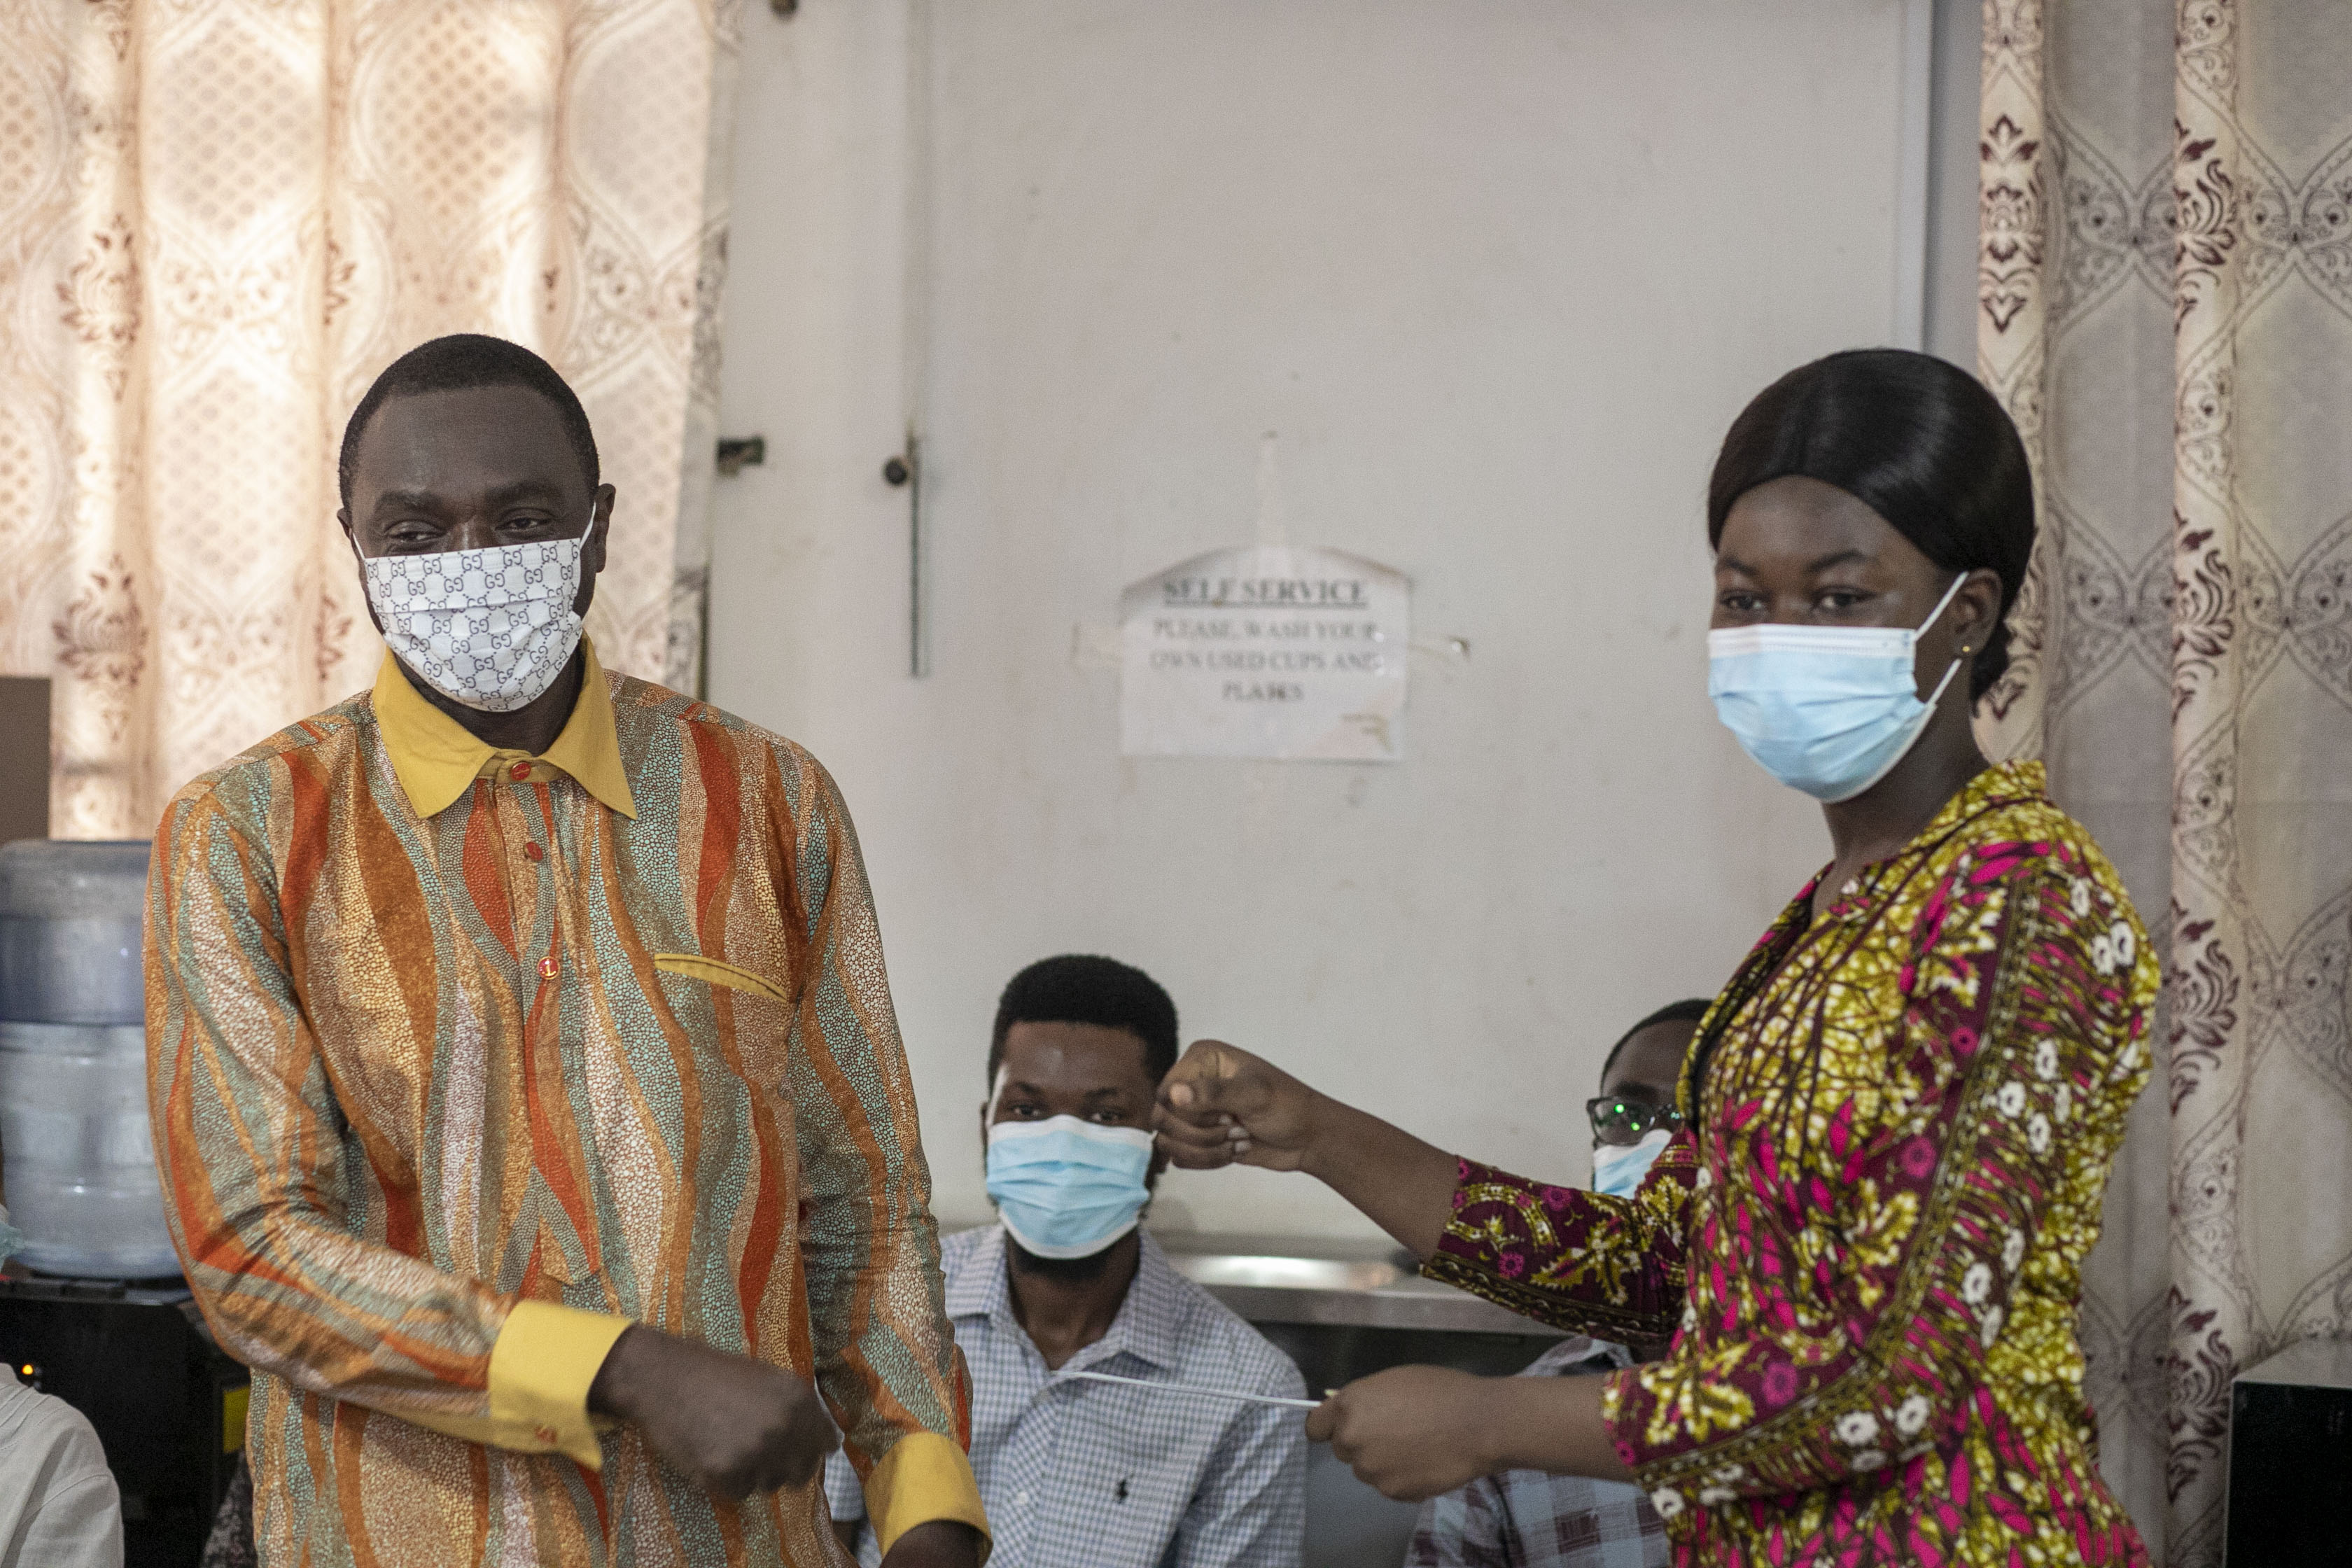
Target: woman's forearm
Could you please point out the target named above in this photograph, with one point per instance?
(1404, 1186)
(1416, 1431)
(1554, 1425)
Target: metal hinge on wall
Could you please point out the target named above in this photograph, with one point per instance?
(904, 470)
(738, 452)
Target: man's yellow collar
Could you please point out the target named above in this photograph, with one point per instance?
(437, 759)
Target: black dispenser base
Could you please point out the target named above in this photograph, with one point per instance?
(134, 1357)
(2291, 1459)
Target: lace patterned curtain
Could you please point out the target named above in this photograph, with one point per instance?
(2166, 307)
(218, 220)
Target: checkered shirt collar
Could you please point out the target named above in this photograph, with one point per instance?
(1146, 1328)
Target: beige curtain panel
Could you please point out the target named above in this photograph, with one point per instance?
(2166, 307)
(218, 221)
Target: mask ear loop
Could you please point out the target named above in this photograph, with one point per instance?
(1941, 605)
(1950, 671)
(995, 1093)
(1933, 617)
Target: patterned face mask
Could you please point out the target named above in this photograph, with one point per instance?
(491, 628)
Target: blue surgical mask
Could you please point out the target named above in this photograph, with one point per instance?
(1618, 1168)
(1067, 1188)
(1826, 709)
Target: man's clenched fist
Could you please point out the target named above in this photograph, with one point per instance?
(731, 1425)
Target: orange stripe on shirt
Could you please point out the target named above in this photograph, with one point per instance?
(722, 827)
(485, 883)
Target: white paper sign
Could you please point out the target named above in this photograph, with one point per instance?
(1274, 651)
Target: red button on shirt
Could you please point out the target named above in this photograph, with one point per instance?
(533, 852)
(547, 1434)
(547, 968)
(520, 771)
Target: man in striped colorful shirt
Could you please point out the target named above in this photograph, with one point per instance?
(523, 1073)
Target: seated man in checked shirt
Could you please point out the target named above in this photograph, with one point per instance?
(1524, 1519)
(1091, 1474)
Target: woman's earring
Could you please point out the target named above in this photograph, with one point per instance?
(1966, 648)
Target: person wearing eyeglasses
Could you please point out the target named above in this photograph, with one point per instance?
(1633, 1115)
(1865, 1246)
(1526, 1519)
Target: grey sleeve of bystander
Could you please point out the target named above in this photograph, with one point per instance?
(59, 1506)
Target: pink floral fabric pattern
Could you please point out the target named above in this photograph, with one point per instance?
(1867, 1249)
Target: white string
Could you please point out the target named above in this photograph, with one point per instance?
(1233, 1394)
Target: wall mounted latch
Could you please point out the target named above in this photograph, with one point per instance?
(903, 470)
(736, 451)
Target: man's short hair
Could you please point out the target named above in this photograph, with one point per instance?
(1690, 1010)
(1081, 988)
(461, 361)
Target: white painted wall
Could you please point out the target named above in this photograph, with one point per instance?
(1955, 96)
(1497, 276)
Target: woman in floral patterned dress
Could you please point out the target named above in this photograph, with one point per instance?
(1867, 1241)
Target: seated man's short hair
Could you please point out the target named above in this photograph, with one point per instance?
(1082, 988)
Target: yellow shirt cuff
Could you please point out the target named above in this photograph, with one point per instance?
(540, 1367)
(925, 1476)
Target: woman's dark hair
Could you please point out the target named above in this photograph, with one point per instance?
(1081, 988)
(1919, 442)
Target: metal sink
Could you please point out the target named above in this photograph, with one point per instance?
(1274, 1272)
(1341, 1310)
(1338, 1284)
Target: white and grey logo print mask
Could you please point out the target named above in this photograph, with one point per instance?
(491, 628)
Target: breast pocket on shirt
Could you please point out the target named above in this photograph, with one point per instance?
(750, 1015)
(711, 971)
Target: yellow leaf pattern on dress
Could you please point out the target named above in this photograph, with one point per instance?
(1867, 1246)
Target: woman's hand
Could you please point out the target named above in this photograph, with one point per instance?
(1222, 1106)
(1413, 1432)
